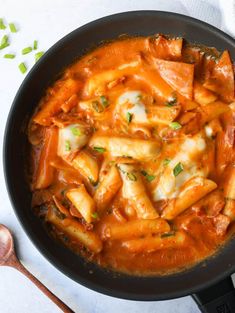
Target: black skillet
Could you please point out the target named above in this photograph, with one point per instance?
(210, 281)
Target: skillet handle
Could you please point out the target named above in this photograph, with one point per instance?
(219, 298)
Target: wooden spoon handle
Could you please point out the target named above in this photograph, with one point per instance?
(17, 265)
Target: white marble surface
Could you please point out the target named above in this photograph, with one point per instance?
(48, 21)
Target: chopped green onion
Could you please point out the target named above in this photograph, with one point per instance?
(175, 125)
(4, 46)
(76, 132)
(9, 56)
(99, 149)
(12, 28)
(104, 101)
(148, 177)
(139, 97)
(4, 40)
(2, 25)
(35, 44)
(67, 145)
(96, 106)
(178, 169)
(95, 215)
(166, 162)
(38, 55)
(26, 50)
(165, 235)
(131, 176)
(22, 68)
(128, 117)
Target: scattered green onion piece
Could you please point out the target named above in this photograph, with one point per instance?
(12, 28)
(2, 25)
(35, 44)
(38, 55)
(170, 234)
(99, 149)
(166, 162)
(178, 169)
(175, 125)
(128, 117)
(4, 40)
(4, 46)
(131, 176)
(67, 145)
(148, 177)
(76, 132)
(26, 50)
(22, 68)
(9, 56)
(104, 101)
(95, 215)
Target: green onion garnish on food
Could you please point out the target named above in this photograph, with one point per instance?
(99, 149)
(22, 68)
(76, 132)
(104, 101)
(166, 162)
(12, 28)
(35, 45)
(175, 125)
(131, 176)
(26, 50)
(148, 177)
(9, 56)
(67, 145)
(2, 25)
(38, 55)
(128, 117)
(178, 169)
(95, 215)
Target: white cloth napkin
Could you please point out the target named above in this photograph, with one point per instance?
(227, 8)
(220, 13)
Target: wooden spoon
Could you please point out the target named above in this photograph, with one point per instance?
(8, 258)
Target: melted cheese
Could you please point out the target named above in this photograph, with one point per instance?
(70, 141)
(190, 151)
(134, 106)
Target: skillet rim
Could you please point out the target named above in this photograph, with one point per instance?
(36, 242)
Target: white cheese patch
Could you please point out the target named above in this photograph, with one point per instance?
(137, 109)
(71, 139)
(169, 185)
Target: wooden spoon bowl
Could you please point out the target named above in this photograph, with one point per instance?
(8, 258)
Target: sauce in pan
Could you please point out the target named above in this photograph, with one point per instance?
(132, 155)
